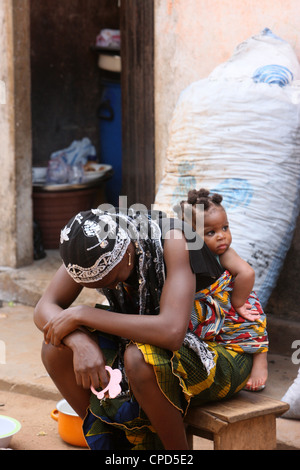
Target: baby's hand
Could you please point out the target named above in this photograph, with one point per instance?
(248, 312)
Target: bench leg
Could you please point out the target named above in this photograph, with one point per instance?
(189, 438)
(251, 434)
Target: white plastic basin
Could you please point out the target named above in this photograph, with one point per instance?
(8, 427)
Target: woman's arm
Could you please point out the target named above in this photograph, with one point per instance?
(88, 360)
(58, 296)
(166, 330)
(244, 276)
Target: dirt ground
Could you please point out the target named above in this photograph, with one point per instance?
(39, 431)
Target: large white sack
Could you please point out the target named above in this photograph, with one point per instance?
(292, 397)
(240, 137)
(260, 50)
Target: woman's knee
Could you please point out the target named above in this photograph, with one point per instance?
(52, 356)
(137, 370)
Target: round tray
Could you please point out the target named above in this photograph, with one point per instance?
(91, 183)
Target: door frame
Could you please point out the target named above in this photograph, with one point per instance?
(137, 82)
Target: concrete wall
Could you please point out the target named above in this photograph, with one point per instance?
(191, 39)
(16, 238)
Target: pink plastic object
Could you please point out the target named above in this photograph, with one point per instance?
(113, 388)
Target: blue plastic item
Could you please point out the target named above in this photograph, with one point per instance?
(110, 130)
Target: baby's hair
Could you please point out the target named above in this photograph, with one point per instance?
(203, 196)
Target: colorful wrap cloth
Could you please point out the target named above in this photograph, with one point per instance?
(120, 424)
(214, 319)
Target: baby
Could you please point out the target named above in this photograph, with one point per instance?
(217, 237)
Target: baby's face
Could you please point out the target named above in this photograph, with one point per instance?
(217, 235)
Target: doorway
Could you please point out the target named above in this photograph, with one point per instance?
(66, 82)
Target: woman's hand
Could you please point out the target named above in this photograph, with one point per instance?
(60, 325)
(88, 361)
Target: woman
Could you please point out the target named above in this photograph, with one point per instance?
(149, 271)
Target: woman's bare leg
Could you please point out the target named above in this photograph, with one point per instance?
(164, 417)
(59, 365)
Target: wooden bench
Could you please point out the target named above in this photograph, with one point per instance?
(245, 422)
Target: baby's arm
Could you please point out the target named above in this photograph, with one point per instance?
(243, 284)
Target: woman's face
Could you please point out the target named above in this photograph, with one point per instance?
(217, 235)
(118, 274)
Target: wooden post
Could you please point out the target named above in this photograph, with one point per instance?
(16, 239)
